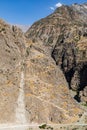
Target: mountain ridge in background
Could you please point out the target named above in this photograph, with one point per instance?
(23, 27)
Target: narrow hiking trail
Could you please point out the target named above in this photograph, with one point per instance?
(20, 110)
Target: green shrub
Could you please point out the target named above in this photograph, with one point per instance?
(43, 126)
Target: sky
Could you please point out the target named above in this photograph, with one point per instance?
(26, 12)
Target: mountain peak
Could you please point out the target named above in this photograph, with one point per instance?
(65, 32)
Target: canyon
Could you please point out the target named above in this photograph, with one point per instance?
(43, 72)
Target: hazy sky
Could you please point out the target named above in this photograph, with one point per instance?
(28, 11)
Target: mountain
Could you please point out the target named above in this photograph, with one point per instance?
(39, 70)
(31, 83)
(24, 28)
(65, 32)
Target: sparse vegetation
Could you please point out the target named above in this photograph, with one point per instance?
(27, 51)
(50, 40)
(85, 104)
(2, 29)
(44, 126)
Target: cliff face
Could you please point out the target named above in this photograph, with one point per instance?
(65, 32)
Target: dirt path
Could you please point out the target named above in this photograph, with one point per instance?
(20, 110)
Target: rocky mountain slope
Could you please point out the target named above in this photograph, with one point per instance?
(11, 53)
(34, 69)
(65, 32)
(33, 88)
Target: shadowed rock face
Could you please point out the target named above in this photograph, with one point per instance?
(47, 95)
(32, 88)
(65, 32)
